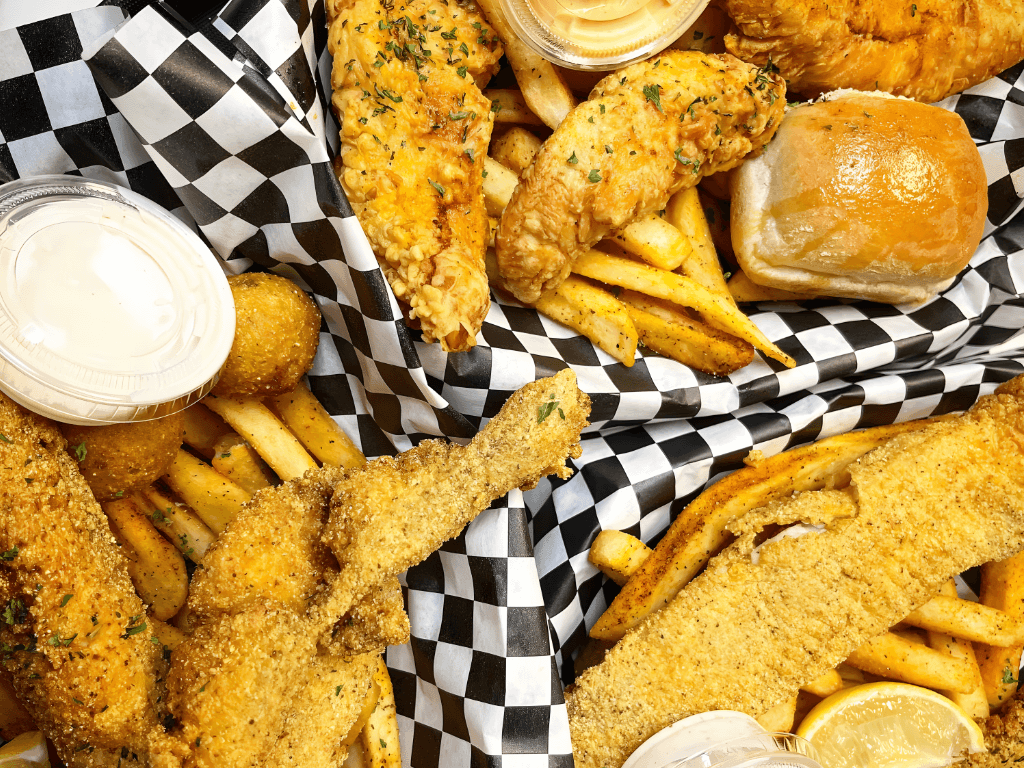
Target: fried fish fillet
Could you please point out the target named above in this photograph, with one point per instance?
(1004, 737)
(73, 637)
(925, 50)
(415, 131)
(646, 132)
(745, 636)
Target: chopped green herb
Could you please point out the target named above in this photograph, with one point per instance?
(437, 187)
(495, 106)
(450, 34)
(461, 71)
(913, 9)
(1008, 678)
(602, 108)
(652, 93)
(383, 744)
(573, 159)
(80, 451)
(10, 554)
(458, 115)
(607, 149)
(464, 48)
(337, 690)
(546, 409)
(469, 153)
(363, 120)
(65, 600)
(5, 438)
(590, 119)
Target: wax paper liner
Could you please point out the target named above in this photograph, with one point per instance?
(228, 128)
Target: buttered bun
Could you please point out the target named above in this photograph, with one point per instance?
(861, 196)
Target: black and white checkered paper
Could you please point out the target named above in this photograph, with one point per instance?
(228, 128)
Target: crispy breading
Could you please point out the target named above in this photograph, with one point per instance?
(745, 636)
(1004, 737)
(393, 512)
(647, 131)
(925, 50)
(415, 131)
(73, 635)
(374, 623)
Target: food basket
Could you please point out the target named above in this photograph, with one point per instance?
(228, 128)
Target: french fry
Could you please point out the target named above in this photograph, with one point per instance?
(1002, 587)
(515, 149)
(895, 658)
(716, 310)
(910, 634)
(669, 332)
(14, 718)
(369, 704)
(700, 529)
(779, 719)
(180, 524)
(302, 413)
(851, 676)
(974, 702)
(380, 734)
(264, 431)
(744, 291)
(655, 241)
(168, 634)
(684, 212)
(156, 568)
(824, 686)
(213, 497)
(238, 461)
(509, 106)
(499, 184)
(203, 428)
(595, 313)
(968, 620)
(618, 555)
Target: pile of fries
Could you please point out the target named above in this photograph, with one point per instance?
(968, 651)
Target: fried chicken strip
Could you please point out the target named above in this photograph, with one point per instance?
(745, 636)
(393, 512)
(925, 50)
(646, 132)
(415, 131)
(73, 637)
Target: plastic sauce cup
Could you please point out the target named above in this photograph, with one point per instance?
(111, 309)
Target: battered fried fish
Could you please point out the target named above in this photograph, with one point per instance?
(745, 636)
(647, 131)
(925, 50)
(1004, 737)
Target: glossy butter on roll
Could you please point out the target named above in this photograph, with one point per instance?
(861, 196)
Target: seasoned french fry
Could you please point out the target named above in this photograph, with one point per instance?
(203, 428)
(779, 719)
(156, 568)
(851, 676)
(238, 461)
(1002, 587)
(700, 529)
(302, 413)
(515, 149)
(499, 184)
(595, 313)
(617, 554)
(655, 241)
(380, 734)
(14, 718)
(968, 620)
(974, 702)
(264, 431)
(684, 212)
(369, 704)
(180, 524)
(895, 658)
(168, 634)
(716, 310)
(824, 686)
(213, 497)
(509, 106)
(669, 332)
(744, 291)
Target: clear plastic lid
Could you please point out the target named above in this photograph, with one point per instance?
(595, 35)
(110, 308)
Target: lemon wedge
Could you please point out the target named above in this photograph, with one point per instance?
(890, 725)
(25, 751)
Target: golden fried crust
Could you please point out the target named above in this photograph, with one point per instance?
(744, 636)
(925, 50)
(647, 131)
(74, 637)
(374, 623)
(415, 131)
(1004, 737)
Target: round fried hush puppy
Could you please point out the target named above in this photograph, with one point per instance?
(277, 329)
(117, 459)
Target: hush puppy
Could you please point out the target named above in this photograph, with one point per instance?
(117, 459)
(277, 329)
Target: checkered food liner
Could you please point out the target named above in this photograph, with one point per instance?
(228, 129)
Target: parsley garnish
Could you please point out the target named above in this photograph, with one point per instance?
(5, 438)
(133, 628)
(383, 744)
(546, 409)
(437, 187)
(450, 34)
(337, 690)
(602, 108)
(80, 451)
(461, 71)
(458, 115)
(652, 93)
(594, 176)
(10, 554)
(66, 599)
(608, 149)
(1008, 678)
(573, 159)
(913, 9)
(495, 106)
(469, 153)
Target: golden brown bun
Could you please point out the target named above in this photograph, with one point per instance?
(862, 196)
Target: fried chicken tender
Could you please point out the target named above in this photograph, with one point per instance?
(393, 512)
(745, 636)
(73, 637)
(415, 131)
(647, 131)
(925, 50)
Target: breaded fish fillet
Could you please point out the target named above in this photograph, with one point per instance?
(73, 635)
(925, 50)
(1004, 737)
(745, 636)
(646, 132)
